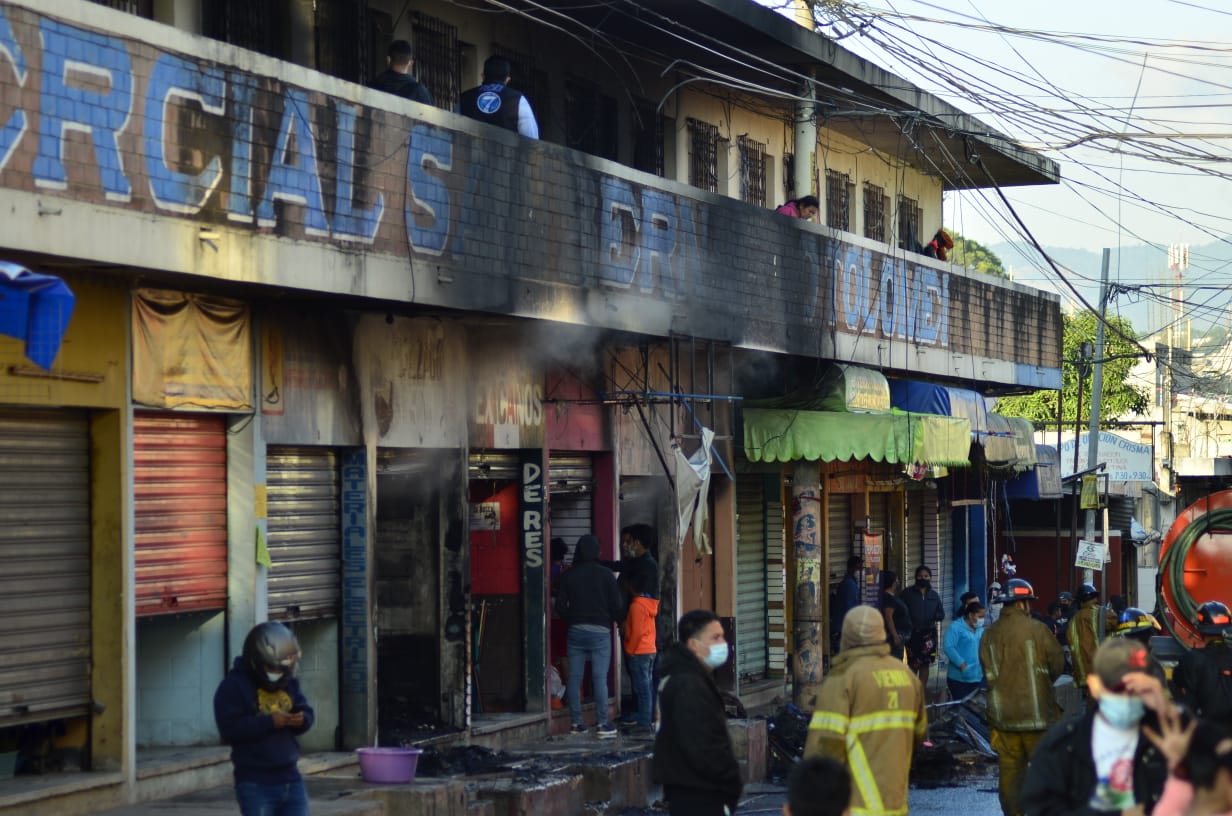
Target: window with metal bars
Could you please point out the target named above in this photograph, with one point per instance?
(648, 130)
(342, 39)
(789, 176)
(590, 119)
(752, 171)
(910, 216)
(876, 205)
(142, 8)
(438, 58)
(703, 155)
(243, 23)
(531, 81)
(839, 192)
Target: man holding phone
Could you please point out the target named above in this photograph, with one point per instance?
(260, 710)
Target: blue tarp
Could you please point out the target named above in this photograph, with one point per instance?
(36, 309)
(928, 398)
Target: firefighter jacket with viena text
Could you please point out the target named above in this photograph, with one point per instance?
(1021, 659)
(870, 717)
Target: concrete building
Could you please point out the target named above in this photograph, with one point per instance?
(351, 362)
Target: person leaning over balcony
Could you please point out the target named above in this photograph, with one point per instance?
(496, 103)
(805, 207)
(397, 79)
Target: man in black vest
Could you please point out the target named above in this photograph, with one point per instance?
(496, 103)
(397, 79)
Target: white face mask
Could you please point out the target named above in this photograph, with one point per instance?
(979, 621)
(717, 656)
(273, 677)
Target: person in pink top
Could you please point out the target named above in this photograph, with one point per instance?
(1199, 757)
(805, 207)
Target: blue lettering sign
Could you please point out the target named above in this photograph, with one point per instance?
(176, 79)
(658, 240)
(355, 574)
(619, 251)
(293, 174)
(239, 198)
(77, 64)
(351, 224)
(428, 199)
(15, 127)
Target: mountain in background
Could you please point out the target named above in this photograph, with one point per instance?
(1148, 309)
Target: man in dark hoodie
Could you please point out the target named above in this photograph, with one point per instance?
(260, 709)
(588, 600)
(693, 756)
(397, 79)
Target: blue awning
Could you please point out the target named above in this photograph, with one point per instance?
(34, 308)
(929, 398)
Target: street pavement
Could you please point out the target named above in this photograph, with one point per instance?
(974, 794)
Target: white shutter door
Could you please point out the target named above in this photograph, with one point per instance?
(750, 579)
(44, 566)
(776, 581)
(305, 534)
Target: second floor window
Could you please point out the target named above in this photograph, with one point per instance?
(876, 205)
(437, 59)
(839, 193)
(244, 24)
(752, 171)
(648, 129)
(703, 155)
(590, 119)
(910, 216)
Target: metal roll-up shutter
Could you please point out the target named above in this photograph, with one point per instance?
(570, 499)
(44, 566)
(916, 553)
(305, 539)
(496, 467)
(180, 502)
(750, 579)
(945, 562)
(776, 581)
(838, 519)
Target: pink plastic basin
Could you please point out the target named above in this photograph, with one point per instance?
(390, 765)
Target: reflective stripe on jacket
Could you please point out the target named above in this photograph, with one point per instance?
(1021, 659)
(1083, 637)
(870, 716)
(640, 635)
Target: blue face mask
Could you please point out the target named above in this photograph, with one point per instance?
(717, 656)
(1121, 710)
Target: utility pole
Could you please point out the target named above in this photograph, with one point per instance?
(1097, 387)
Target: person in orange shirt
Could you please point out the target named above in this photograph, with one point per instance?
(639, 578)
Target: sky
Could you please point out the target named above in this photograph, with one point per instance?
(1143, 86)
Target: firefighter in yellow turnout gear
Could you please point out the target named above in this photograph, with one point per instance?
(1021, 659)
(869, 716)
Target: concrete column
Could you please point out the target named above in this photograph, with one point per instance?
(808, 584)
(806, 142)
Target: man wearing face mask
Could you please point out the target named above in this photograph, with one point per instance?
(869, 716)
(924, 604)
(693, 756)
(1102, 761)
(260, 710)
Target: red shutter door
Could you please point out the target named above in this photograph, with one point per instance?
(180, 475)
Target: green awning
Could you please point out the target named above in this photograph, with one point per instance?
(785, 435)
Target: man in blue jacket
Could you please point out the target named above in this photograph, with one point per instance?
(260, 710)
